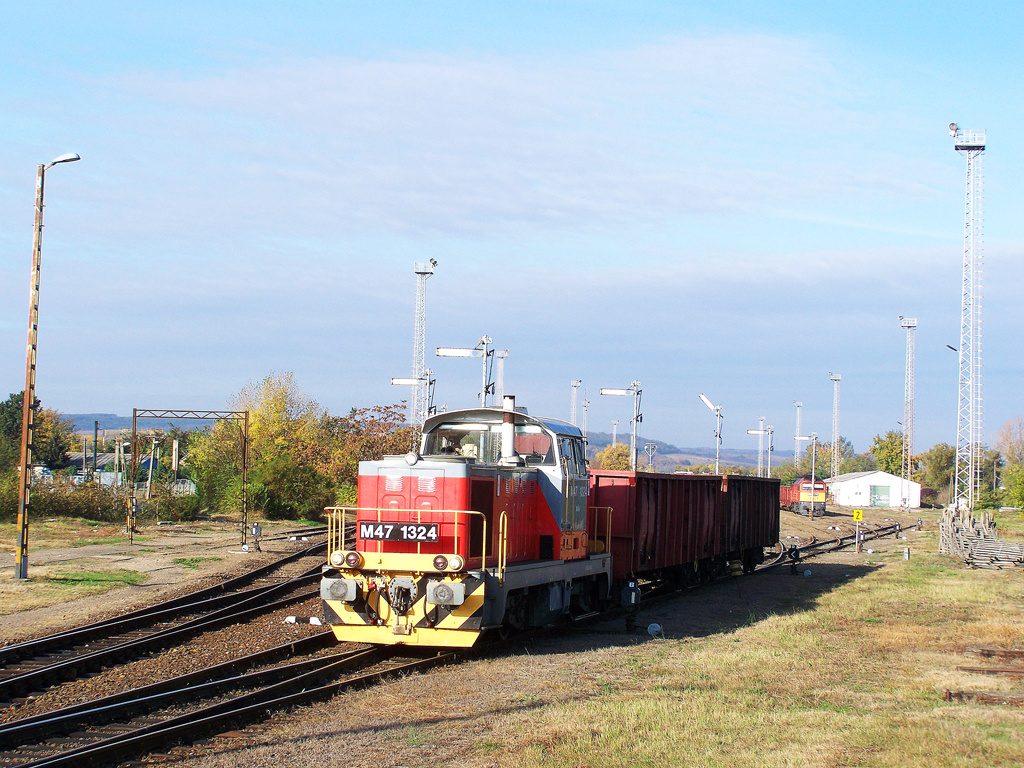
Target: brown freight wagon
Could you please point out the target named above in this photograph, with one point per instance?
(683, 527)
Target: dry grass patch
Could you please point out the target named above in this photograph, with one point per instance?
(856, 679)
(53, 584)
(65, 532)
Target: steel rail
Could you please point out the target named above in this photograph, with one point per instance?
(189, 687)
(185, 604)
(71, 668)
(237, 712)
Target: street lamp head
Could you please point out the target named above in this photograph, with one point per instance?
(70, 157)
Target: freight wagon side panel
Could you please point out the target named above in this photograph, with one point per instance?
(616, 490)
(659, 521)
(753, 511)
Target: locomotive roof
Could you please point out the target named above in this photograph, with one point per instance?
(494, 415)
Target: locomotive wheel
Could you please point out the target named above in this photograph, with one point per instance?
(515, 611)
(583, 603)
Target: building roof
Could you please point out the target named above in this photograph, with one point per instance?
(857, 475)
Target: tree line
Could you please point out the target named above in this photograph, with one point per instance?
(301, 458)
(1001, 476)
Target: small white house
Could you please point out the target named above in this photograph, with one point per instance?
(874, 489)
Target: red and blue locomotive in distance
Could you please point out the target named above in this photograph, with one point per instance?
(496, 523)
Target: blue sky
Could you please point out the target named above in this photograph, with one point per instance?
(734, 198)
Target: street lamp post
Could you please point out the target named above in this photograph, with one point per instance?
(717, 410)
(480, 350)
(635, 391)
(650, 449)
(814, 455)
(29, 395)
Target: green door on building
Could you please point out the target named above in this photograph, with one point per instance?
(879, 495)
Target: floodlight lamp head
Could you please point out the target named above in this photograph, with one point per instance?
(954, 129)
(457, 352)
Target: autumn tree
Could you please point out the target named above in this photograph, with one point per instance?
(52, 434)
(301, 458)
(613, 457)
(888, 452)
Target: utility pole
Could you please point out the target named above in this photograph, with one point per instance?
(970, 144)
(615, 430)
(575, 385)
(28, 411)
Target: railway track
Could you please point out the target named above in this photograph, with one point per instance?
(229, 695)
(37, 664)
(192, 707)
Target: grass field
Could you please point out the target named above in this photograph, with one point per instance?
(851, 676)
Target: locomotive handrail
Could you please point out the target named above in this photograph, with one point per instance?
(607, 526)
(335, 528)
(503, 544)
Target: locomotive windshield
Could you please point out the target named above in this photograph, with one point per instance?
(483, 442)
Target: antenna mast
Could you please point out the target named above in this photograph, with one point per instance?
(970, 144)
(420, 399)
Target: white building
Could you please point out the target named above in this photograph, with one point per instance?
(874, 489)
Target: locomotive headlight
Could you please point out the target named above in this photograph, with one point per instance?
(456, 563)
(440, 563)
(337, 558)
(353, 559)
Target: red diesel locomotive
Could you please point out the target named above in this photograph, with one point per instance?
(799, 496)
(497, 523)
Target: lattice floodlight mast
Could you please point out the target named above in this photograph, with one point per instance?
(971, 144)
(836, 378)
(419, 403)
(910, 324)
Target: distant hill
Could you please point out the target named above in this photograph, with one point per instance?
(668, 456)
(84, 422)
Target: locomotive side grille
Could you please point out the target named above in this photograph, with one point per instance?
(393, 483)
(426, 484)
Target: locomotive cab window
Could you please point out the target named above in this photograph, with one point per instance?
(483, 442)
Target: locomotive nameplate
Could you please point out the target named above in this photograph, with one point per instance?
(423, 532)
